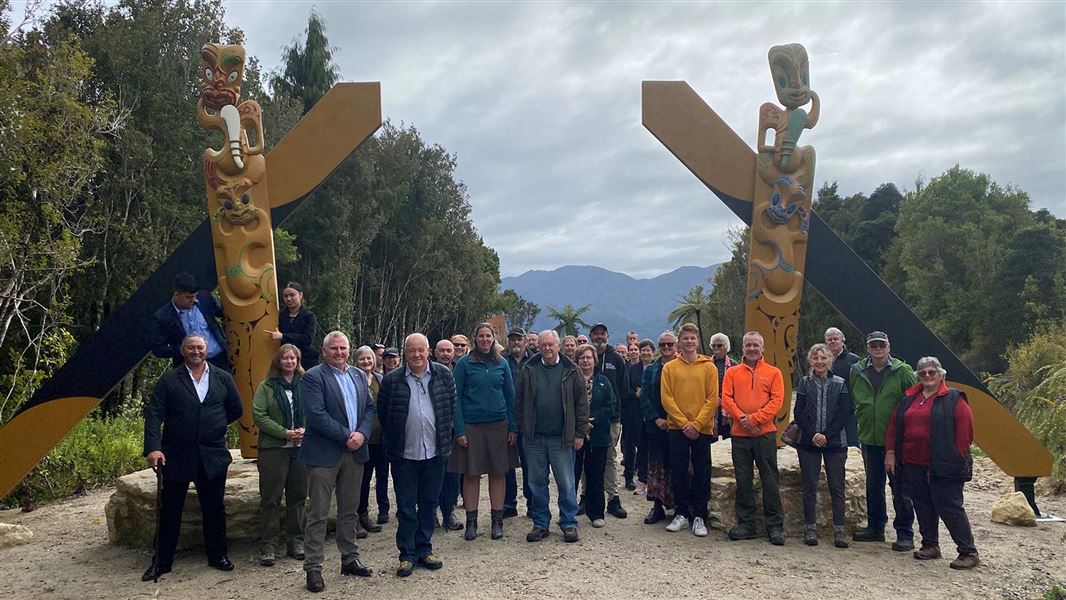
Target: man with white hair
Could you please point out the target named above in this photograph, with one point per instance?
(842, 361)
(340, 418)
(552, 412)
(416, 404)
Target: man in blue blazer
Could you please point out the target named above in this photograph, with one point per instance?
(192, 404)
(339, 417)
(190, 311)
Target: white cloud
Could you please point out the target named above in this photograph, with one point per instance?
(541, 103)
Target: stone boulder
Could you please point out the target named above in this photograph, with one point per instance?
(14, 535)
(1014, 509)
(131, 509)
(722, 515)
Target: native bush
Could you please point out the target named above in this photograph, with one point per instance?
(1034, 387)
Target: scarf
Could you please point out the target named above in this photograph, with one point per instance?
(292, 415)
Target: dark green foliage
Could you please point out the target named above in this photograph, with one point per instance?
(568, 319)
(518, 311)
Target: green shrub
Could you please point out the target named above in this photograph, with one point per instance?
(94, 453)
(1034, 387)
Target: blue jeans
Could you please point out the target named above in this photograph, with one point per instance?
(543, 451)
(873, 459)
(416, 484)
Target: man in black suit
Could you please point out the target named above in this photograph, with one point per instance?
(339, 419)
(191, 311)
(193, 404)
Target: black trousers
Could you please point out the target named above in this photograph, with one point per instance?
(172, 501)
(749, 453)
(378, 464)
(937, 499)
(633, 442)
(595, 459)
(690, 494)
(810, 468)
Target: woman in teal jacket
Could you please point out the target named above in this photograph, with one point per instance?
(485, 427)
(602, 406)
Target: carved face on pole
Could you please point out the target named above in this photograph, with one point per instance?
(791, 73)
(223, 73)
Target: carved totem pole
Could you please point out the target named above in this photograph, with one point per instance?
(239, 211)
(781, 213)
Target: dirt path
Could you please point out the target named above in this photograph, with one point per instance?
(70, 557)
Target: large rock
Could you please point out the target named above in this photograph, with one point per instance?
(1014, 509)
(722, 515)
(131, 509)
(14, 535)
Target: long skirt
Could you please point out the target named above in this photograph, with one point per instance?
(659, 466)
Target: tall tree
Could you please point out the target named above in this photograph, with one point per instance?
(568, 318)
(308, 71)
(519, 311)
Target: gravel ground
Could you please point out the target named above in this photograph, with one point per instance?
(70, 557)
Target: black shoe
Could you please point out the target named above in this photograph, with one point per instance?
(383, 517)
(903, 544)
(615, 508)
(810, 536)
(536, 535)
(314, 581)
(431, 562)
(657, 514)
(570, 535)
(777, 537)
(364, 520)
(405, 569)
(509, 511)
(497, 524)
(741, 532)
(581, 506)
(222, 563)
(630, 485)
(868, 535)
(356, 567)
(471, 525)
(153, 572)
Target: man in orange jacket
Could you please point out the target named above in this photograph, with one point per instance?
(751, 395)
(689, 394)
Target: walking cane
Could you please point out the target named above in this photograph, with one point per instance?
(158, 469)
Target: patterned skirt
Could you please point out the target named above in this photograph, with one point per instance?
(659, 467)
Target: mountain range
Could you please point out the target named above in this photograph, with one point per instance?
(621, 302)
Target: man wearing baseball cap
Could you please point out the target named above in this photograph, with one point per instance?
(878, 382)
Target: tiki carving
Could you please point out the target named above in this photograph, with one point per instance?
(781, 211)
(239, 210)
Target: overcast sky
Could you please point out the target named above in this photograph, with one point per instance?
(541, 104)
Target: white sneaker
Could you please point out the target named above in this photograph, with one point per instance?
(698, 528)
(598, 523)
(680, 522)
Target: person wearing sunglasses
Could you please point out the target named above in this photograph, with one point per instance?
(722, 361)
(461, 343)
(930, 433)
(658, 490)
(878, 381)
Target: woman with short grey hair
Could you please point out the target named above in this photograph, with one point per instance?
(928, 445)
(722, 361)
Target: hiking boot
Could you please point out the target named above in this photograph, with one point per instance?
(295, 550)
(927, 553)
(497, 524)
(570, 535)
(840, 540)
(868, 535)
(536, 535)
(630, 485)
(431, 562)
(965, 561)
(614, 507)
(267, 559)
(680, 522)
(810, 536)
(741, 532)
(777, 536)
(657, 514)
(405, 569)
(471, 525)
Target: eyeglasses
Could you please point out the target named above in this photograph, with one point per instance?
(717, 345)
(928, 373)
(877, 344)
(666, 344)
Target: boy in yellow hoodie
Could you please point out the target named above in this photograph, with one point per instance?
(690, 396)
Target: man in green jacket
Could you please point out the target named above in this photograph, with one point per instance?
(877, 385)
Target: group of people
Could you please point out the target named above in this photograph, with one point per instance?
(440, 419)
